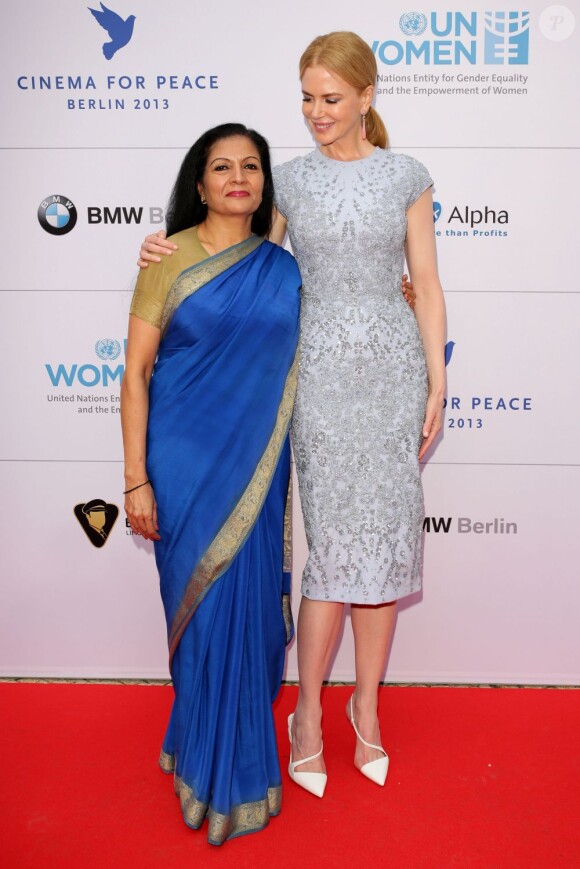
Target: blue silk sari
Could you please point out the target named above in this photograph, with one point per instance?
(218, 455)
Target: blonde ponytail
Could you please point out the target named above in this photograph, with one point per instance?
(376, 130)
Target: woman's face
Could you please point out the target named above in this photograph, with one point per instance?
(331, 106)
(233, 179)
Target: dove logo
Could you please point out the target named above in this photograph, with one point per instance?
(120, 31)
(57, 214)
(449, 352)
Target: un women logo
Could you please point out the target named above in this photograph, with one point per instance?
(413, 23)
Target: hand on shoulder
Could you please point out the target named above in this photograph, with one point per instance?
(154, 247)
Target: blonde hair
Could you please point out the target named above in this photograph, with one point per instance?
(350, 58)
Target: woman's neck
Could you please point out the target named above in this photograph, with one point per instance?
(216, 233)
(348, 148)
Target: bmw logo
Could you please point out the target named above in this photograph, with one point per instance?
(57, 214)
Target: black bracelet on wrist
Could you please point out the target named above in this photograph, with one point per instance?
(126, 492)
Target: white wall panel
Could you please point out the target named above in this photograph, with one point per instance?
(253, 51)
(511, 379)
(496, 606)
(51, 420)
(66, 607)
(499, 603)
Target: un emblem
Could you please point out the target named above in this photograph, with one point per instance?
(107, 349)
(413, 23)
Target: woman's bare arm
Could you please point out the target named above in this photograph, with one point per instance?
(142, 346)
(278, 231)
(429, 308)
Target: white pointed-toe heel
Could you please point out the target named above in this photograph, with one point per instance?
(313, 782)
(375, 770)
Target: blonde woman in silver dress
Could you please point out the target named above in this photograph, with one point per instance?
(371, 385)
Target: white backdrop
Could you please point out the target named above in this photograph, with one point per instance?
(501, 582)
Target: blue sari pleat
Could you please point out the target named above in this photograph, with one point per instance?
(219, 384)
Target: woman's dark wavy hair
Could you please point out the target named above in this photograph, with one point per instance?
(185, 207)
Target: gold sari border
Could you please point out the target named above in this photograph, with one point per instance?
(288, 617)
(233, 533)
(243, 818)
(201, 273)
(288, 528)
(167, 762)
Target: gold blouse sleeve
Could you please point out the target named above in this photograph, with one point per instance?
(151, 290)
(154, 283)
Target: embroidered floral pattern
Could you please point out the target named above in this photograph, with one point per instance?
(362, 383)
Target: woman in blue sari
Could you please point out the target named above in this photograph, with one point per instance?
(207, 465)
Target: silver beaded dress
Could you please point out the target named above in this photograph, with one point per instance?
(362, 384)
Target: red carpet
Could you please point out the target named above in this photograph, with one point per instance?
(478, 778)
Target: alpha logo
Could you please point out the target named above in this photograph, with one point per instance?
(475, 216)
(120, 31)
(97, 519)
(482, 222)
(453, 38)
(57, 214)
(107, 348)
(507, 36)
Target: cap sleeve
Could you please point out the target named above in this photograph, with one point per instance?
(150, 293)
(419, 180)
